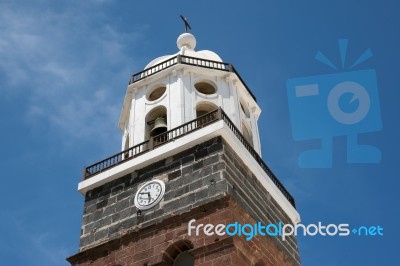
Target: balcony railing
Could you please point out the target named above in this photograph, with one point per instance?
(179, 132)
(187, 60)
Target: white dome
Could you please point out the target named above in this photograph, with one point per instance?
(186, 43)
(204, 54)
(158, 60)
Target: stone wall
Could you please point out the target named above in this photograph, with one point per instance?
(159, 244)
(200, 176)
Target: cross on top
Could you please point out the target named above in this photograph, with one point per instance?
(187, 26)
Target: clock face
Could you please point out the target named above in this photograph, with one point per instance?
(150, 194)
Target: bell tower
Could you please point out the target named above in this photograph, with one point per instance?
(190, 156)
(175, 89)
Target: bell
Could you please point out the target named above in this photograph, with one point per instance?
(160, 126)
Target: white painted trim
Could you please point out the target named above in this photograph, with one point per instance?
(216, 129)
(150, 157)
(261, 175)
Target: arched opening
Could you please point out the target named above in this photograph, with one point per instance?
(156, 122)
(247, 135)
(184, 259)
(156, 92)
(244, 108)
(204, 108)
(177, 254)
(206, 87)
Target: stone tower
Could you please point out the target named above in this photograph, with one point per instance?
(191, 156)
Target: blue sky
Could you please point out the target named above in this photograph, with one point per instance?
(64, 67)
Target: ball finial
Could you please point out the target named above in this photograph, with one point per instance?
(186, 40)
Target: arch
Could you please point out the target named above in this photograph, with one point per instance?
(244, 108)
(172, 255)
(247, 134)
(157, 112)
(205, 86)
(203, 108)
(184, 259)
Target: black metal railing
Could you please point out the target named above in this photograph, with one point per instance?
(151, 144)
(153, 70)
(187, 60)
(116, 159)
(199, 62)
(257, 157)
(176, 133)
(185, 129)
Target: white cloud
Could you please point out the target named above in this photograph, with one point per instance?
(67, 64)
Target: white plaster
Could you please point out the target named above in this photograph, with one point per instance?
(181, 98)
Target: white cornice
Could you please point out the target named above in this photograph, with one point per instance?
(216, 129)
